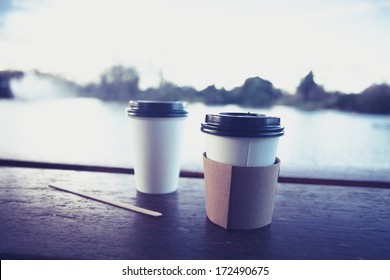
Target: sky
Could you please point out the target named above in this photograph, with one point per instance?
(199, 43)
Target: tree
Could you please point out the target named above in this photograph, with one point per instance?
(257, 92)
(211, 95)
(375, 99)
(119, 83)
(308, 89)
(5, 78)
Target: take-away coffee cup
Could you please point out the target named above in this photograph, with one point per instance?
(156, 141)
(241, 168)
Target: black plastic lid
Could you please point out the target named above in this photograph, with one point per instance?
(157, 109)
(242, 125)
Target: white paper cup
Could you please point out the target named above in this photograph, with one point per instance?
(242, 139)
(156, 141)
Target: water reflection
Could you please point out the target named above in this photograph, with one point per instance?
(89, 131)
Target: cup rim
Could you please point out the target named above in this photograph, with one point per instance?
(242, 125)
(156, 109)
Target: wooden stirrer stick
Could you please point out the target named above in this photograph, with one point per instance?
(110, 202)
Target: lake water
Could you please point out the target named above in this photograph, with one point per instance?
(323, 143)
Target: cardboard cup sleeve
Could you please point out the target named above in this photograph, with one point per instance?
(240, 197)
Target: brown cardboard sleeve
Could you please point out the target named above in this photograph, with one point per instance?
(240, 197)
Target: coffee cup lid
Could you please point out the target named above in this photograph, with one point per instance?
(156, 109)
(242, 125)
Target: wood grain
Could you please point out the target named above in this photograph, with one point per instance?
(309, 222)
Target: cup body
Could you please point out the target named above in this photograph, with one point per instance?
(241, 151)
(240, 197)
(156, 142)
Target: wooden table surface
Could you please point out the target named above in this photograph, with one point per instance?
(309, 222)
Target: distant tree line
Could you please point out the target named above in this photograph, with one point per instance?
(120, 83)
(309, 95)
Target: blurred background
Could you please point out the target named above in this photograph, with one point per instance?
(68, 69)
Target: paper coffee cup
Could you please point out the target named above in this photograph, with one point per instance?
(241, 168)
(156, 141)
(242, 139)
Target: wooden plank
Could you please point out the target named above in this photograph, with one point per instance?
(191, 174)
(310, 222)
